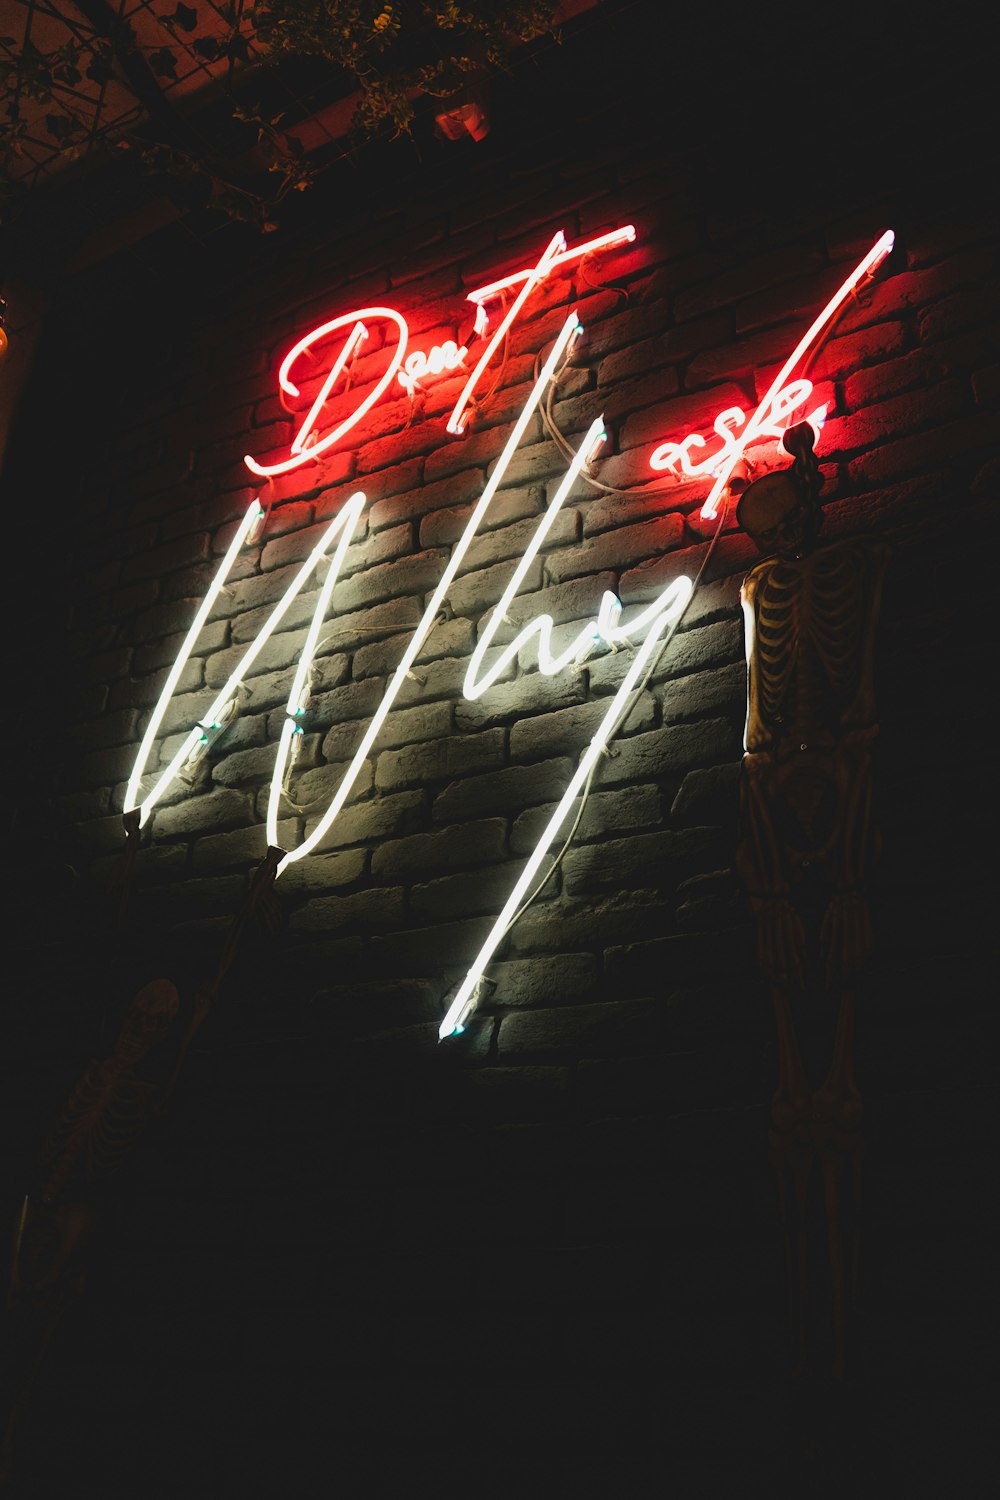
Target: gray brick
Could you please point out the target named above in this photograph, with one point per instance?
(576, 1029)
(429, 950)
(403, 578)
(466, 895)
(503, 791)
(444, 527)
(314, 789)
(280, 651)
(621, 548)
(571, 729)
(372, 910)
(674, 748)
(543, 980)
(324, 872)
(221, 851)
(379, 818)
(245, 767)
(142, 692)
(419, 764)
(634, 808)
(476, 592)
(461, 847)
(401, 726)
(211, 811)
(456, 489)
(651, 861)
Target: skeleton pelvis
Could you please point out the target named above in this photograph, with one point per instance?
(805, 804)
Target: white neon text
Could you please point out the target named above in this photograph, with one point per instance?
(569, 332)
(418, 365)
(734, 431)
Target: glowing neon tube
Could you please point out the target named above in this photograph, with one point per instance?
(300, 452)
(348, 518)
(542, 625)
(457, 420)
(677, 456)
(624, 235)
(250, 520)
(354, 340)
(670, 605)
(348, 514)
(570, 331)
(757, 423)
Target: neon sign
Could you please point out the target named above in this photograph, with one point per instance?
(643, 631)
(417, 366)
(779, 400)
(307, 445)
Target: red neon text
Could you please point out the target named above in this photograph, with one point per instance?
(677, 456)
(779, 400)
(306, 445)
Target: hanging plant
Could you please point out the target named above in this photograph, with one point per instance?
(388, 52)
(393, 52)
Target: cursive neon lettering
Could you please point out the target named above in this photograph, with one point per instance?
(302, 449)
(456, 421)
(669, 607)
(222, 699)
(569, 332)
(677, 456)
(773, 407)
(624, 235)
(306, 445)
(691, 457)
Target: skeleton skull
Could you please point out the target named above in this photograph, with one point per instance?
(780, 520)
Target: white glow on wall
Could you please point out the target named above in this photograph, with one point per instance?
(349, 513)
(243, 531)
(569, 332)
(541, 625)
(670, 606)
(346, 521)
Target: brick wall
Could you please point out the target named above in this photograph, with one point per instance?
(349, 1257)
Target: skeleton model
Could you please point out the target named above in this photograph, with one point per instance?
(807, 841)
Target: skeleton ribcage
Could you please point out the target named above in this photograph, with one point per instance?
(809, 627)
